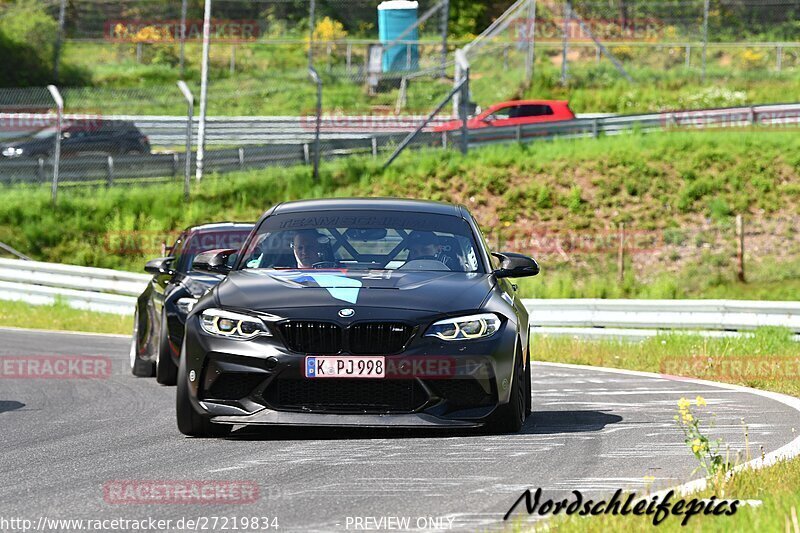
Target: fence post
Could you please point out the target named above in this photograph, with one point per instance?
(705, 36)
(531, 34)
(444, 140)
(565, 43)
(688, 56)
(349, 57)
(465, 113)
(59, 38)
(241, 157)
(176, 159)
(201, 126)
(594, 128)
(621, 253)
(445, 23)
(316, 79)
(182, 37)
(519, 133)
(57, 150)
(232, 68)
(779, 58)
(374, 146)
(740, 249)
(110, 171)
(312, 10)
(306, 154)
(187, 94)
(40, 170)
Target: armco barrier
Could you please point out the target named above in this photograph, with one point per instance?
(115, 291)
(294, 145)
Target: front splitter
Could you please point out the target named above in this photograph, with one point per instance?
(286, 418)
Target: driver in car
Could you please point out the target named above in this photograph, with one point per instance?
(426, 245)
(311, 247)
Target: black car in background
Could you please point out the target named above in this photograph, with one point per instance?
(358, 312)
(104, 137)
(172, 292)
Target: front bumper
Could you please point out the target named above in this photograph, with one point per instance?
(431, 383)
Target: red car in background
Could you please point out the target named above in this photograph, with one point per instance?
(515, 112)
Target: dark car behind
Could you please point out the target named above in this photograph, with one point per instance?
(87, 137)
(162, 308)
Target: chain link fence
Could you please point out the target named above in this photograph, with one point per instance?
(380, 74)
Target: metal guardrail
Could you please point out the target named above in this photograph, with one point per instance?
(596, 318)
(111, 168)
(113, 291)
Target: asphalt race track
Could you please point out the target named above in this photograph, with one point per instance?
(63, 440)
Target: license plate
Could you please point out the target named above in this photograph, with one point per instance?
(345, 367)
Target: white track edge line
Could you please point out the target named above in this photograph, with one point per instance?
(785, 452)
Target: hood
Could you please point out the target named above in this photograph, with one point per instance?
(266, 290)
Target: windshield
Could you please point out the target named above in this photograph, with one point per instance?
(364, 240)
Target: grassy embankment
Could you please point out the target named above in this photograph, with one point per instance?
(562, 201)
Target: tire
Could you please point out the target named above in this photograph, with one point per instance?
(166, 371)
(529, 396)
(190, 422)
(139, 368)
(510, 417)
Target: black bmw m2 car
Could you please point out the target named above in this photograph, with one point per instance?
(358, 312)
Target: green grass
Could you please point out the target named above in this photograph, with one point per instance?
(61, 317)
(272, 80)
(665, 187)
(777, 486)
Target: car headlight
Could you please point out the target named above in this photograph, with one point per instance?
(12, 152)
(185, 305)
(465, 327)
(232, 325)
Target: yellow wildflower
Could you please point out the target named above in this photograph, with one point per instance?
(700, 401)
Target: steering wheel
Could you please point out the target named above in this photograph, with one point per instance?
(425, 258)
(325, 264)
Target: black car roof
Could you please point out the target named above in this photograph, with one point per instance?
(217, 226)
(381, 204)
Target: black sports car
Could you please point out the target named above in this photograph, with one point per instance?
(172, 292)
(358, 312)
(105, 137)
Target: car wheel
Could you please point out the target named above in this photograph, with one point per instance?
(166, 371)
(190, 422)
(528, 386)
(139, 368)
(509, 418)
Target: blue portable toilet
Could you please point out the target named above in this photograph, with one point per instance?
(395, 17)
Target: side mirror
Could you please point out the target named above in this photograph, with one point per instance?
(160, 266)
(213, 261)
(515, 265)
